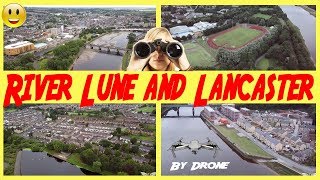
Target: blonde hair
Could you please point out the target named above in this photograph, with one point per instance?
(153, 33)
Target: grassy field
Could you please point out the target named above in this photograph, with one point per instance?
(143, 137)
(197, 55)
(150, 127)
(237, 37)
(263, 16)
(242, 143)
(265, 9)
(147, 109)
(205, 45)
(280, 169)
(10, 109)
(125, 60)
(264, 64)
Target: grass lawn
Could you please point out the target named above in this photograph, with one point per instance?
(143, 137)
(150, 127)
(76, 114)
(125, 60)
(147, 109)
(237, 37)
(10, 109)
(243, 143)
(205, 45)
(265, 9)
(280, 169)
(197, 55)
(266, 63)
(263, 16)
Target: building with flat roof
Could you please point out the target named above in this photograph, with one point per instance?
(204, 25)
(40, 46)
(180, 31)
(18, 48)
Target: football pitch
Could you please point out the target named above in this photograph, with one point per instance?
(236, 38)
(198, 55)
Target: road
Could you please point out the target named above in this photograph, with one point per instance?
(281, 159)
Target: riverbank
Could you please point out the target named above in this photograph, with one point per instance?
(280, 169)
(311, 11)
(241, 145)
(17, 169)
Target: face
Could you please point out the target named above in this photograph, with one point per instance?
(14, 15)
(158, 59)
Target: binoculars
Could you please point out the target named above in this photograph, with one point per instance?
(172, 49)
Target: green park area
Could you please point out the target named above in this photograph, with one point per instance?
(198, 55)
(243, 143)
(146, 109)
(267, 64)
(264, 64)
(263, 16)
(265, 9)
(125, 60)
(142, 137)
(236, 37)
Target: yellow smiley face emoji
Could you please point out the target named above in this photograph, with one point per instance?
(14, 15)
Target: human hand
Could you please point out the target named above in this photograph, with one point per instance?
(136, 63)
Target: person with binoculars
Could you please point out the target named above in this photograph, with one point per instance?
(158, 51)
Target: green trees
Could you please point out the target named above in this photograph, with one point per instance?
(130, 167)
(64, 55)
(88, 156)
(97, 166)
(133, 140)
(57, 145)
(134, 149)
(131, 40)
(290, 50)
(24, 62)
(105, 143)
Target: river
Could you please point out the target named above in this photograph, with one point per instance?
(193, 128)
(93, 60)
(40, 163)
(307, 25)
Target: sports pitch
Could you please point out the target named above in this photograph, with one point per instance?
(236, 37)
(198, 55)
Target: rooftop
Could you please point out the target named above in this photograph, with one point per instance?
(18, 44)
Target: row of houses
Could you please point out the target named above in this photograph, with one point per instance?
(230, 111)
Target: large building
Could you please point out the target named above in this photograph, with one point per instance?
(180, 31)
(231, 112)
(209, 112)
(18, 48)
